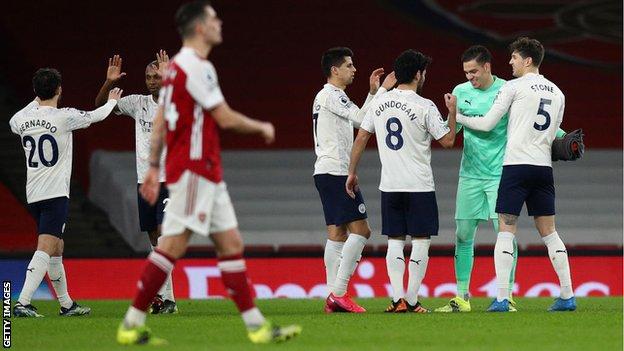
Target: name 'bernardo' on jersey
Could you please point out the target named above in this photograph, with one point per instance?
(37, 123)
(397, 105)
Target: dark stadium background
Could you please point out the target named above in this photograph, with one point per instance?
(269, 68)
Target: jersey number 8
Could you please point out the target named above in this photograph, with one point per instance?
(394, 133)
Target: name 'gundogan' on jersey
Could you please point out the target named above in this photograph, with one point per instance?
(190, 91)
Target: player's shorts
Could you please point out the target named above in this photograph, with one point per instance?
(414, 214)
(533, 185)
(50, 215)
(476, 198)
(150, 217)
(198, 204)
(338, 207)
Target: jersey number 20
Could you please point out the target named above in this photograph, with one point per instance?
(34, 146)
(394, 133)
(543, 112)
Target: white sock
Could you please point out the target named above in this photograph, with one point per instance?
(417, 268)
(134, 317)
(253, 318)
(503, 262)
(166, 291)
(56, 272)
(37, 268)
(351, 252)
(395, 263)
(333, 251)
(559, 259)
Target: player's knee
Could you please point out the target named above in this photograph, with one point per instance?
(464, 233)
(48, 244)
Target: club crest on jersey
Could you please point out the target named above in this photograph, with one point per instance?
(362, 208)
(202, 217)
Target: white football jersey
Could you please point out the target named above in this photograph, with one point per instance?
(46, 135)
(333, 116)
(535, 107)
(143, 109)
(404, 123)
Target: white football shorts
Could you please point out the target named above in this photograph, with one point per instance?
(198, 204)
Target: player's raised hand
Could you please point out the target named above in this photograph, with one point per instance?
(114, 73)
(390, 81)
(374, 79)
(352, 185)
(163, 61)
(267, 132)
(151, 186)
(450, 101)
(115, 94)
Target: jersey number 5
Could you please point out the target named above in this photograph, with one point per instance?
(39, 147)
(543, 112)
(390, 142)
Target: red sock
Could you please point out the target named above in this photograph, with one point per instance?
(156, 270)
(234, 277)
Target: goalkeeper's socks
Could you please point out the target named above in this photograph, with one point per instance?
(36, 270)
(331, 257)
(503, 262)
(351, 252)
(559, 259)
(395, 263)
(56, 272)
(417, 268)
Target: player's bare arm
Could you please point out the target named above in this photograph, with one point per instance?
(151, 185)
(229, 119)
(113, 74)
(389, 82)
(359, 144)
(448, 140)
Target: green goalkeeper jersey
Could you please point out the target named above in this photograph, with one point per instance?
(483, 153)
(482, 157)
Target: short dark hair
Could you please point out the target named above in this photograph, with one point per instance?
(478, 53)
(46, 82)
(188, 14)
(334, 57)
(528, 47)
(408, 63)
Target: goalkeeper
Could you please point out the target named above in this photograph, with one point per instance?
(480, 171)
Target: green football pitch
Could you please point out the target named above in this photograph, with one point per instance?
(215, 325)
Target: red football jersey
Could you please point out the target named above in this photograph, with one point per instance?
(190, 91)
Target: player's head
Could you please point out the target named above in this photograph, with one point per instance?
(337, 64)
(526, 54)
(153, 80)
(477, 62)
(411, 67)
(198, 19)
(47, 83)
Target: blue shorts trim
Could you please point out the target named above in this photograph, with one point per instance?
(150, 217)
(533, 185)
(338, 207)
(413, 214)
(50, 215)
